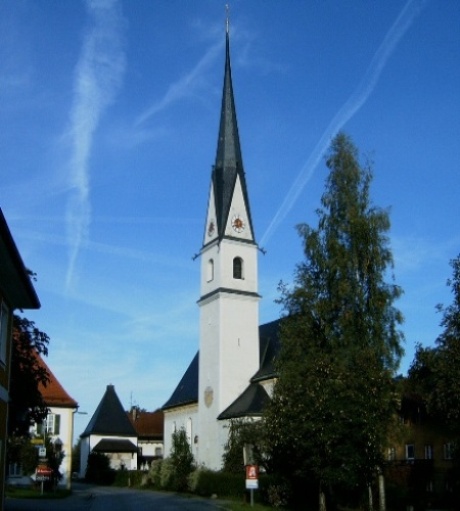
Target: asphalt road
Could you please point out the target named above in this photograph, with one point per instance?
(97, 498)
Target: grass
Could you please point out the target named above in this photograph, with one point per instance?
(243, 506)
(35, 493)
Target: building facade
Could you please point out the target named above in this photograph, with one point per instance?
(16, 292)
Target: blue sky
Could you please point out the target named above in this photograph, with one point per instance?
(109, 114)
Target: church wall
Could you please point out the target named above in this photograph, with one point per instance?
(182, 417)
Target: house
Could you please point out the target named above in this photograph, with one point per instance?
(59, 422)
(420, 452)
(232, 374)
(16, 292)
(149, 429)
(110, 432)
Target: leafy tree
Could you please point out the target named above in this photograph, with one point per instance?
(26, 402)
(241, 433)
(435, 372)
(340, 342)
(181, 459)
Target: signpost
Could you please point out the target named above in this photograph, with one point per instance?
(252, 480)
(42, 474)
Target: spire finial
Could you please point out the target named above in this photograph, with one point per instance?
(227, 22)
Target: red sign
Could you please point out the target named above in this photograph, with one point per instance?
(44, 471)
(252, 472)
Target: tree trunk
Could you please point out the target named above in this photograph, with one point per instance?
(371, 497)
(382, 500)
(322, 500)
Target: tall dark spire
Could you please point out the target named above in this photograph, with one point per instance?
(229, 162)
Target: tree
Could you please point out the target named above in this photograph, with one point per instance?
(181, 459)
(340, 342)
(435, 372)
(244, 432)
(26, 402)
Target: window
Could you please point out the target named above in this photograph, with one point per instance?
(210, 271)
(428, 452)
(448, 451)
(52, 425)
(410, 452)
(391, 454)
(4, 316)
(237, 268)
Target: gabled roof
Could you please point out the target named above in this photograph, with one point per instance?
(109, 418)
(114, 445)
(15, 284)
(229, 161)
(148, 425)
(54, 393)
(249, 404)
(187, 390)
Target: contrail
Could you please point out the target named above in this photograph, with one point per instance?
(182, 87)
(348, 110)
(98, 77)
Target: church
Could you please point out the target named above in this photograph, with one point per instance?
(232, 374)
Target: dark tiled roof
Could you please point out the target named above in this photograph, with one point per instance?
(54, 394)
(148, 425)
(109, 418)
(114, 445)
(15, 284)
(250, 404)
(187, 390)
(269, 349)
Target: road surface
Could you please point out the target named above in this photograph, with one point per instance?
(102, 498)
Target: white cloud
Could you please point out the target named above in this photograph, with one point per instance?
(98, 77)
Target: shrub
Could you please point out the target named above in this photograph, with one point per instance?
(182, 460)
(155, 473)
(98, 470)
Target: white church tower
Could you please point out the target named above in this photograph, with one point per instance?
(229, 301)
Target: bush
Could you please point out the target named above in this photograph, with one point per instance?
(98, 470)
(129, 478)
(182, 460)
(154, 474)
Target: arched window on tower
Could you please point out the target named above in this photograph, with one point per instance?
(237, 268)
(210, 271)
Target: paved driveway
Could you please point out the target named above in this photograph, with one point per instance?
(97, 498)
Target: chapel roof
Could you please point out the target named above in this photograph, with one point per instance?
(110, 417)
(186, 391)
(114, 445)
(54, 393)
(249, 404)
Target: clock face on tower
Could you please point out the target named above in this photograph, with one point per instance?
(238, 224)
(211, 228)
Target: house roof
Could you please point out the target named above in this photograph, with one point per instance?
(249, 404)
(54, 393)
(187, 391)
(109, 418)
(148, 425)
(15, 284)
(114, 445)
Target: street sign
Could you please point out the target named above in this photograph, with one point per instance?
(42, 452)
(252, 477)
